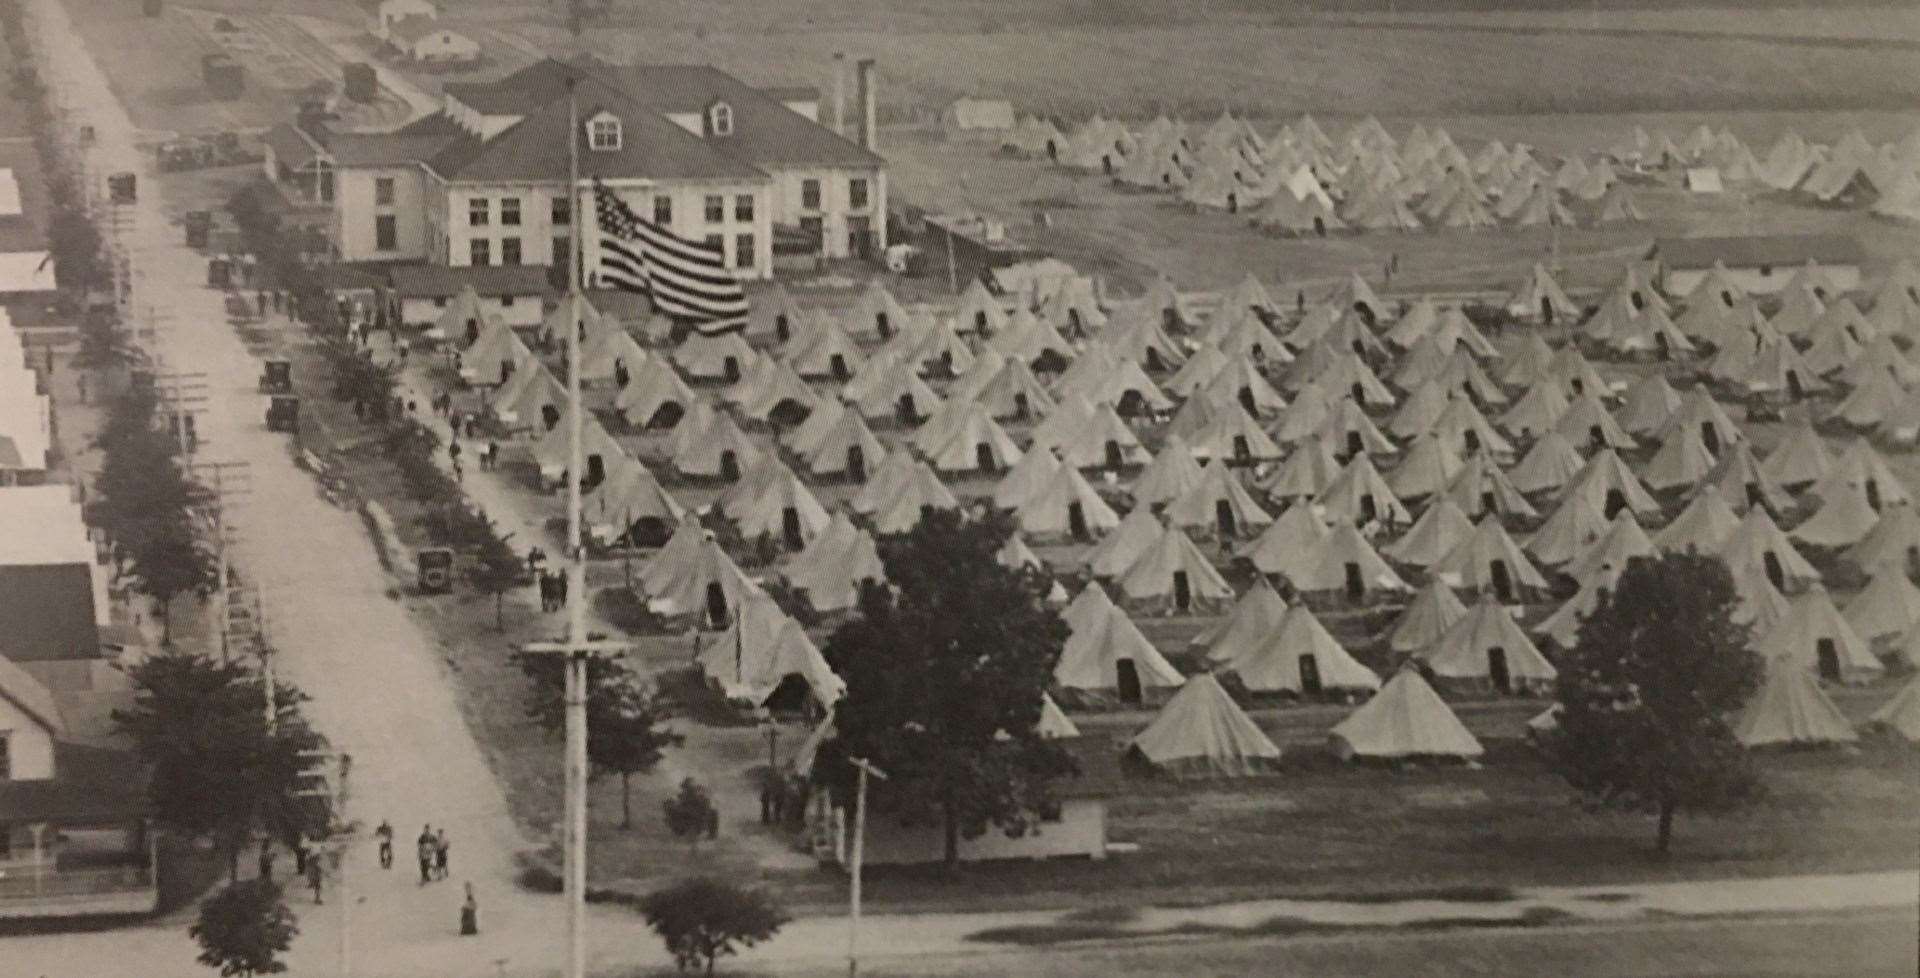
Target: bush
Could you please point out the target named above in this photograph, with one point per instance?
(690, 814)
(701, 920)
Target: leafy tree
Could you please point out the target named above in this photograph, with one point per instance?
(626, 732)
(74, 244)
(690, 814)
(701, 920)
(169, 560)
(944, 675)
(1644, 694)
(244, 929)
(498, 571)
(217, 771)
(104, 345)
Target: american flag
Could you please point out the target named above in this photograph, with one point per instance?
(687, 280)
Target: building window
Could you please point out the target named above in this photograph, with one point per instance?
(506, 302)
(6, 840)
(440, 302)
(509, 251)
(743, 208)
(857, 193)
(743, 256)
(815, 231)
(477, 212)
(810, 194)
(663, 210)
(6, 763)
(386, 233)
(510, 211)
(479, 252)
(716, 209)
(383, 191)
(720, 119)
(562, 211)
(562, 251)
(604, 133)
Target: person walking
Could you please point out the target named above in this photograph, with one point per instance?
(315, 877)
(266, 860)
(385, 835)
(426, 849)
(440, 847)
(469, 914)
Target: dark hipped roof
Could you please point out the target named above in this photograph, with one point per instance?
(387, 148)
(535, 148)
(291, 146)
(765, 131)
(1778, 250)
(439, 282)
(48, 611)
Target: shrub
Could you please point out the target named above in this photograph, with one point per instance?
(701, 920)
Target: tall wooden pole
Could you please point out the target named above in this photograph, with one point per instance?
(576, 686)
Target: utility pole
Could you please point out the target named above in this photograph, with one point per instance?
(228, 478)
(332, 767)
(578, 648)
(859, 852)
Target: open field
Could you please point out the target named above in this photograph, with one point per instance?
(1130, 236)
(1881, 23)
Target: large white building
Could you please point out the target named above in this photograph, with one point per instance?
(484, 181)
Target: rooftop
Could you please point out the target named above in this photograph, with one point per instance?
(1778, 250)
(92, 784)
(439, 282)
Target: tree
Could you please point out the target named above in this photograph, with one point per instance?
(626, 734)
(945, 672)
(216, 769)
(244, 929)
(75, 245)
(1644, 695)
(497, 571)
(701, 920)
(169, 560)
(690, 814)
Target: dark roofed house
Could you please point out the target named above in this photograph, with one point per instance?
(483, 182)
(74, 837)
(298, 164)
(1759, 263)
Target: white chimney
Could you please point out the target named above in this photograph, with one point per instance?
(839, 93)
(868, 123)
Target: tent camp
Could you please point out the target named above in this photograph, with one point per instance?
(1202, 733)
(1405, 719)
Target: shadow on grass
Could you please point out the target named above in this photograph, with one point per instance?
(1069, 931)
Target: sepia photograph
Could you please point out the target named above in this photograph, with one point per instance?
(960, 488)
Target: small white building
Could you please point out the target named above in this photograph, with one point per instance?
(977, 115)
(382, 15)
(1078, 828)
(426, 41)
(515, 293)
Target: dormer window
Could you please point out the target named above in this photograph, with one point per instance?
(720, 119)
(603, 132)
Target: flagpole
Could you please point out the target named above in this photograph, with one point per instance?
(576, 692)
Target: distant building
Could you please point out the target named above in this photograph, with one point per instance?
(73, 829)
(977, 115)
(383, 15)
(1076, 828)
(484, 181)
(1759, 264)
(297, 162)
(424, 40)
